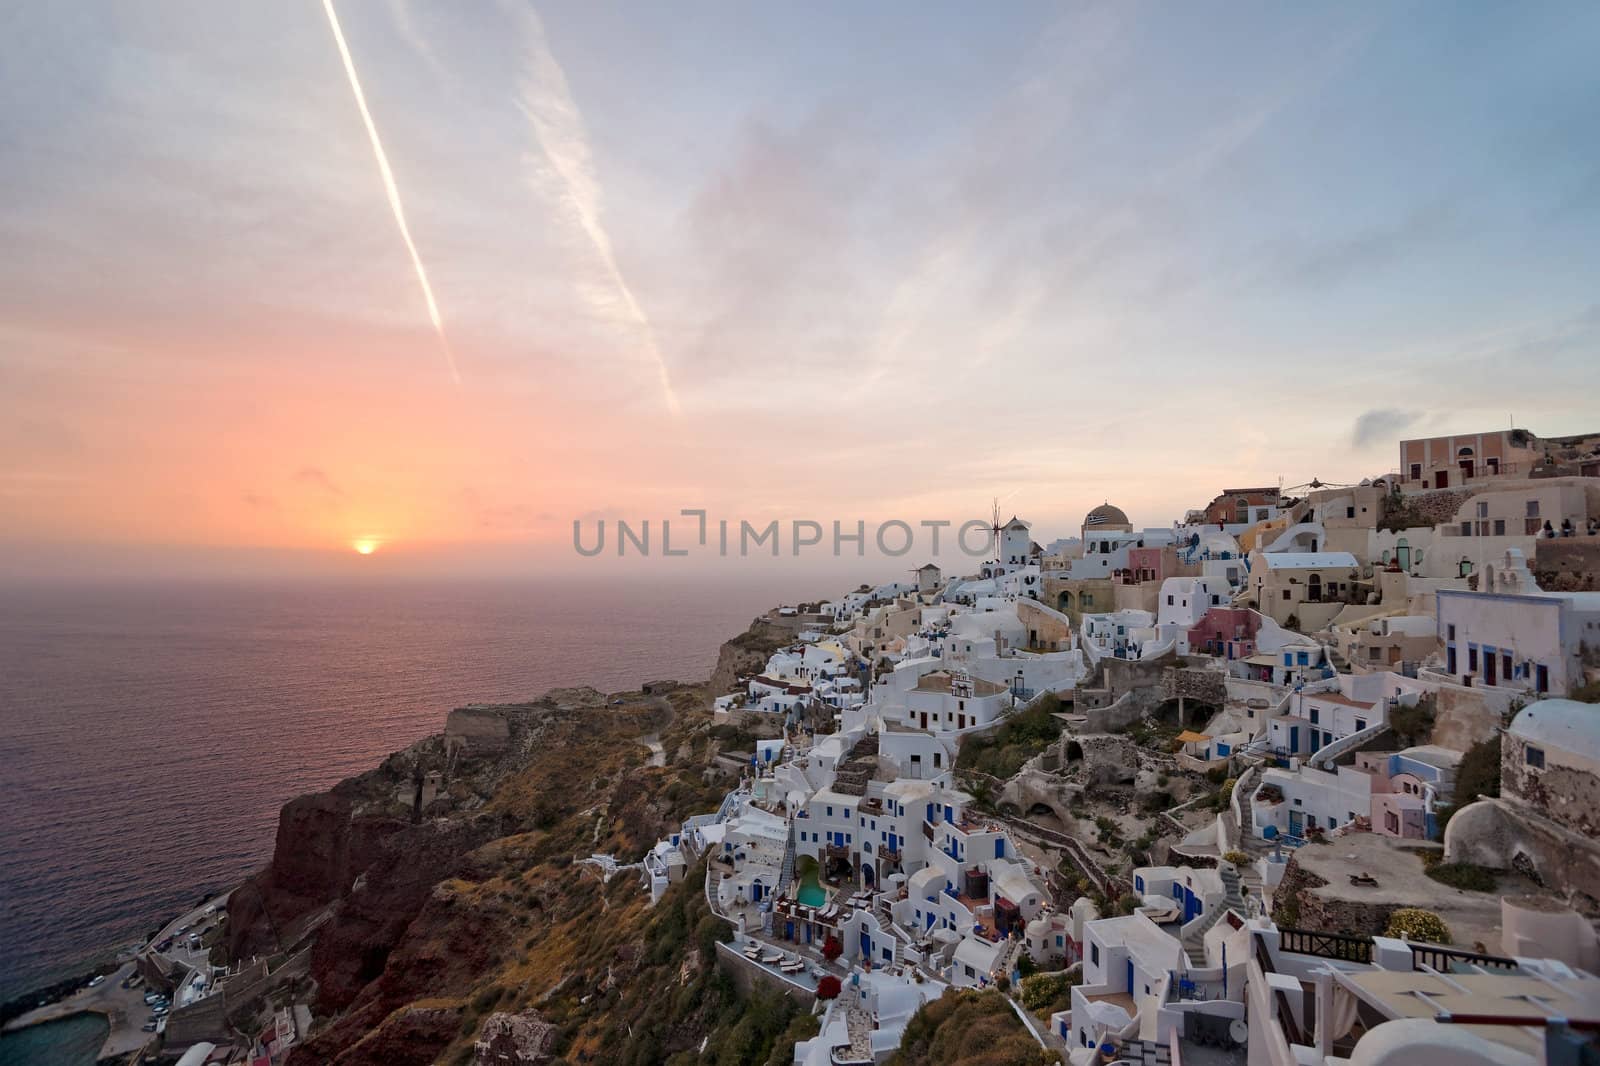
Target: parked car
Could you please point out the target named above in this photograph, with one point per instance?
(165, 945)
(97, 981)
(159, 1010)
(151, 996)
(149, 1026)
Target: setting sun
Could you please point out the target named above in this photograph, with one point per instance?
(365, 547)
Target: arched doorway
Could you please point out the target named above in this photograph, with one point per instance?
(1402, 554)
(1314, 588)
(1064, 602)
(1074, 751)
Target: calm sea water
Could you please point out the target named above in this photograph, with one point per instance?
(68, 1042)
(149, 733)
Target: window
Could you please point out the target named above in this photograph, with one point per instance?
(1285, 593)
(1316, 716)
(1094, 954)
(1533, 509)
(1349, 512)
(1499, 527)
(1416, 471)
(1483, 509)
(1533, 756)
(1472, 659)
(1169, 601)
(1361, 723)
(1505, 665)
(1450, 631)
(1466, 529)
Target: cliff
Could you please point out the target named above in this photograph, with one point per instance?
(439, 890)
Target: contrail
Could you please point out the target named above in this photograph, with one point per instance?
(392, 189)
(558, 125)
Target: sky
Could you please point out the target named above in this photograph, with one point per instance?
(826, 262)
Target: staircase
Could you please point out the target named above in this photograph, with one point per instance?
(1336, 657)
(786, 871)
(1194, 941)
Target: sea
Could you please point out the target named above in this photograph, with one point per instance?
(150, 731)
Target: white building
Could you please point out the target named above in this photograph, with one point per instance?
(954, 702)
(1512, 634)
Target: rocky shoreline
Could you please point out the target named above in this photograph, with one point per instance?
(374, 893)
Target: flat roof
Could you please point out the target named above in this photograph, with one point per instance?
(939, 681)
(1413, 994)
(1307, 560)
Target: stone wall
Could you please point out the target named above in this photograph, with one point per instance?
(1296, 904)
(1125, 691)
(1566, 796)
(1567, 564)
(746, 974)
(477, 731)
(1437, 506)
(1505, 835)
(1205, 686)
(204, 1020)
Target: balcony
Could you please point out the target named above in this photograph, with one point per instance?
(1340, 946)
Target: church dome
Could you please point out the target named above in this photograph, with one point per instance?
(1105, 515)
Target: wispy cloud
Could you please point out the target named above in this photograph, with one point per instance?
(1380, 426)
(547, 102)
(317, 478)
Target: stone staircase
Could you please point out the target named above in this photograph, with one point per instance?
(1194, 942)
(786, 871)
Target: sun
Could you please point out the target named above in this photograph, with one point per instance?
(366, 546)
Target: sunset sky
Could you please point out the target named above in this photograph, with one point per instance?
(830, 262)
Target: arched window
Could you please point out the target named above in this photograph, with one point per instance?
(1241, 508)
(1463, 453)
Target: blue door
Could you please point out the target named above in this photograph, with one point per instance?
(1130, 976)
(788, 930)
(866, 945)
(1296, 823)
(999, 847)
(1294, 738)
(894, 842)
(1191, 904)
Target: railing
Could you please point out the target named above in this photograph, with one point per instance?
(1339, 946)
(1441, 958)
(1291, 1029)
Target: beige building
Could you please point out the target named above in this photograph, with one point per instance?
(1479, 458)
(1384, 643)
(1309, 587)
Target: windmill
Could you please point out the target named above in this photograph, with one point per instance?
(995, 528)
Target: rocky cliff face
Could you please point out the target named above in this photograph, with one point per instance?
(747, 653)
(442, 886)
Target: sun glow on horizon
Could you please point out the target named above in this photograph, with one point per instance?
(366, 545)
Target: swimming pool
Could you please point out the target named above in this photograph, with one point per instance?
(811, 893)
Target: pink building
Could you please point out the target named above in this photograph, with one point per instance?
(1226, 631)
(1145, 564)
